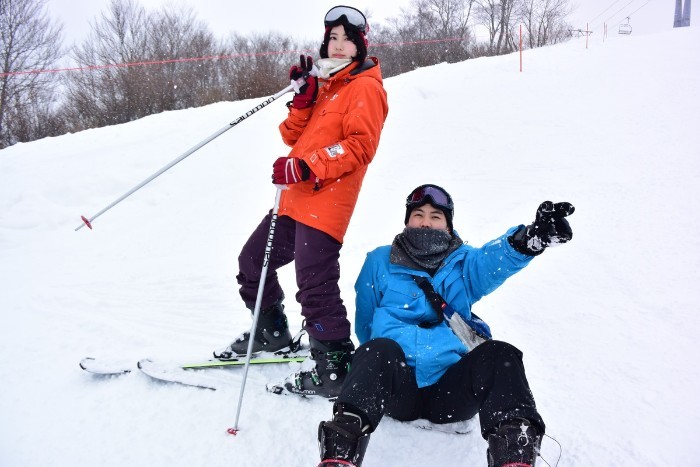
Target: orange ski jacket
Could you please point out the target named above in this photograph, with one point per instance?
(338, 138)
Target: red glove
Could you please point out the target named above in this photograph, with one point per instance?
(288, 170)
(307, 92)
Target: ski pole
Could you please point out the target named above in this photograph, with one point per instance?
(258, 302)
(88, 222)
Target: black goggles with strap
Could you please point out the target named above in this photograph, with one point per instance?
(352, 15)
(432, 194)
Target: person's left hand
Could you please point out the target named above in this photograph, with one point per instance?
(288, 170)
(550, 228)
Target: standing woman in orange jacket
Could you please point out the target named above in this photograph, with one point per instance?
(333, 127)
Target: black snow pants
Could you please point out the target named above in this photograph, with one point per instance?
(490, 380)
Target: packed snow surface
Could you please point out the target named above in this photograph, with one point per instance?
(608, 323)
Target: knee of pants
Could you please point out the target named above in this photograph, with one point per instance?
(380, 349)
(379, 354)
(493, 347)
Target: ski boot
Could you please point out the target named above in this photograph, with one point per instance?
(271, 335)
(325, 378)
(515, 443)
(343, 441)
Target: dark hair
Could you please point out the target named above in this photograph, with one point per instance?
(354, 34)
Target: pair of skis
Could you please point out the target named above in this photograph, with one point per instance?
(195, 375)
(187, 374)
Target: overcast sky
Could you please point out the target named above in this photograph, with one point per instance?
(303, 18)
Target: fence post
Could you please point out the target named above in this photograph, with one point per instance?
(521, 48)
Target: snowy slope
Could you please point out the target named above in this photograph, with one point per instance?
(608, 323)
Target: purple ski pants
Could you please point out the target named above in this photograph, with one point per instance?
(315, 255)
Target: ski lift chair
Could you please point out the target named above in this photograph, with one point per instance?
(625, 28)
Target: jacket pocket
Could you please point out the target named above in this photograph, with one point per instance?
(331, 121)
(405, 302)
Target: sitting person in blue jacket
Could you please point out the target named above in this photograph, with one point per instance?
(412, 296)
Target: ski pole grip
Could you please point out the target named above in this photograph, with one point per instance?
(298, 83)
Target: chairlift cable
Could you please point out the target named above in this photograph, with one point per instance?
(630, 15)
(614, 14)
(611, 5)
(626, 28)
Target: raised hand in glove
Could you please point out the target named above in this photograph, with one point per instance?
(550, 228)
(288, 170)
(306, 94)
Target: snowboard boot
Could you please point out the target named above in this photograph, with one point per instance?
(343, 441)
(515, 443)
(271, 335)
(325, 378)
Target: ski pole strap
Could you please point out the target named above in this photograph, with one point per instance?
(441, 307)
(436, 301)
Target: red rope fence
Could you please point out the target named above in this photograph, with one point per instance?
(200, 59)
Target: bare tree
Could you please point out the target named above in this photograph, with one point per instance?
(176, 34)
(505, 31)
(429, 32)
(497, 17)
(106, 91)
(451, 22)
(487, 14)
(29, 42)
(258, 65)
(138, 63)
(545, 21)
(452, 16)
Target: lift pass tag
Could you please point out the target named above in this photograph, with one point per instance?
(335, 150)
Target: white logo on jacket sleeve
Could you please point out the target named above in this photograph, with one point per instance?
(335, 150)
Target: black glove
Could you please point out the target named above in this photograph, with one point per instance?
(309, 90)
(550, 228)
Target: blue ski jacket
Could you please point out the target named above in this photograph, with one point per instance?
(390, 304)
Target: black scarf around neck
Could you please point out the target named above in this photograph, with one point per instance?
(423, 249)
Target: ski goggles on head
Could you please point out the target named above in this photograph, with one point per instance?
(432, 194)
(352, 15)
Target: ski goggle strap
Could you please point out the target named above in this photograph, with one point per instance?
(438, 197)
(352, 15)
